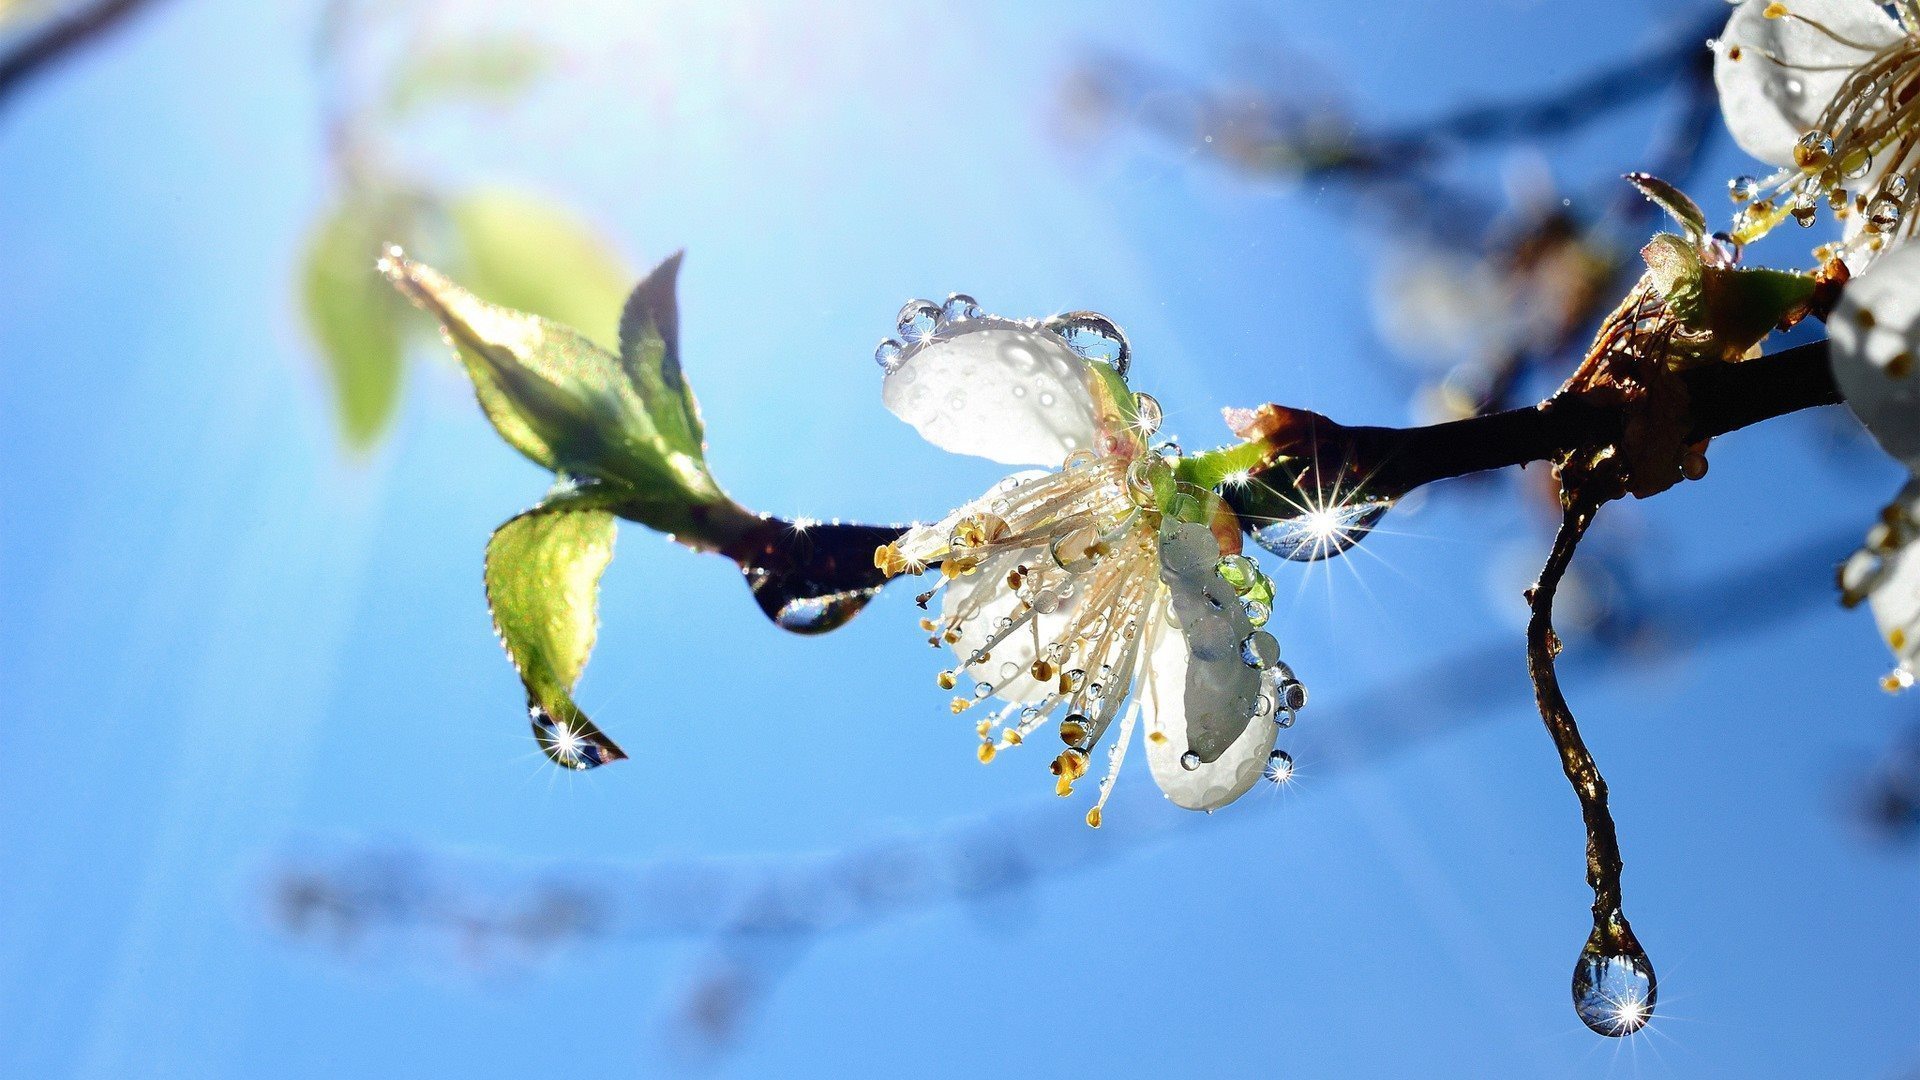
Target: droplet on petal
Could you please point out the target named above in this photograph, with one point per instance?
(1189, 761)
(1613, 992)
(959, 308)
(1093, 336)
(887, 354)
(918, 320)
(1260, 649)
(1743, 188)
(1147, 414)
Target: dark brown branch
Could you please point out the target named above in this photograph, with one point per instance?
(1393, 461)
(60, 38)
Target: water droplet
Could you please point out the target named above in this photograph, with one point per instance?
(1147, 414)
(1019, 391)
(959, 308)
(575, 744)
(1794, 88)
(1279, 766)
(887, 354)
(1284, 719)
(918, 320)
(1895, 187)
(1140, 483)
(981, 690)
(1237, 571)
(1293, 695)
(1813, 150)
(1262, 706)
(957, 401)
(1743, 189)
(1883, 216)
(1046, 399)
(1189, 761)
(1257, 612)
(1259, 649)
(1724, 249)
(1321, 534)
(1008, 670)
(1093, 336)
(1856, 163)
(1613, 993)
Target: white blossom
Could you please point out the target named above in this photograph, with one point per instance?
(1105, 591)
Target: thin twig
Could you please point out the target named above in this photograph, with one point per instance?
(1543, 646)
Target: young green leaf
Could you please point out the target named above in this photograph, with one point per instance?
(355, 320)
(650, 351)
(562, 400)
(543, 579)
(1683, 210)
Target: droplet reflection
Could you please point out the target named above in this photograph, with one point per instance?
(1613, 992)
(1321, 533)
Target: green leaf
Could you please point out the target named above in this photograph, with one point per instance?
(485, 70)
(543, 580)
(354, 318)
(565, 402)
(1746, 304)
(529, 255)
(650, 352)
(1675, 202)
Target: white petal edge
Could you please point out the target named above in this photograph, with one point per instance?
(1195, 692)
(1875, 351)
(1768, 106)
(1895, 599)
(999, 390)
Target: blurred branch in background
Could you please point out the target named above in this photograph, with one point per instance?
(36, 37)
(1500, 294)
(757, 916)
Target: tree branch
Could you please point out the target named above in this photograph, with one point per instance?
(1394, 461)
(60, 38)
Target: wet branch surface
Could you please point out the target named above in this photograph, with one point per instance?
(63, 36)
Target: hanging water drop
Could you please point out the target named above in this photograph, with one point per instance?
(1279, 767)
(1093, 336)
(887, 354)
(1237, 571)
(1613, 991)
(1323, 533)
(1883, 216)
(959, 308)
(918, 320)
(1743, 188)
(1257, 612)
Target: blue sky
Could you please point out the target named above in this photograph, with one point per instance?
(228, 643)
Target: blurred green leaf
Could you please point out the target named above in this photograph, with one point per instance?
(543, 580)
(485, 70)
(356, 321)
(529, 255)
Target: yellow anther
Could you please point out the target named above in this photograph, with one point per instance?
(1157, 737)
(1093, 817)
(961, 705)
(927, 625)
(945, 680)
(1072, 732)
(1775, 11)
(986, 752)
(1897, 639)
(1013, 737)
(982, 728)
(1041, 671)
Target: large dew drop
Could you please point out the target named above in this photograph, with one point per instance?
(1095, 337)
(1613, 992)
(1321, 534)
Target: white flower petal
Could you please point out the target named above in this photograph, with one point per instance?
(1768, 104)
(1875, 339)
(1001, 390)
(1196, 694)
